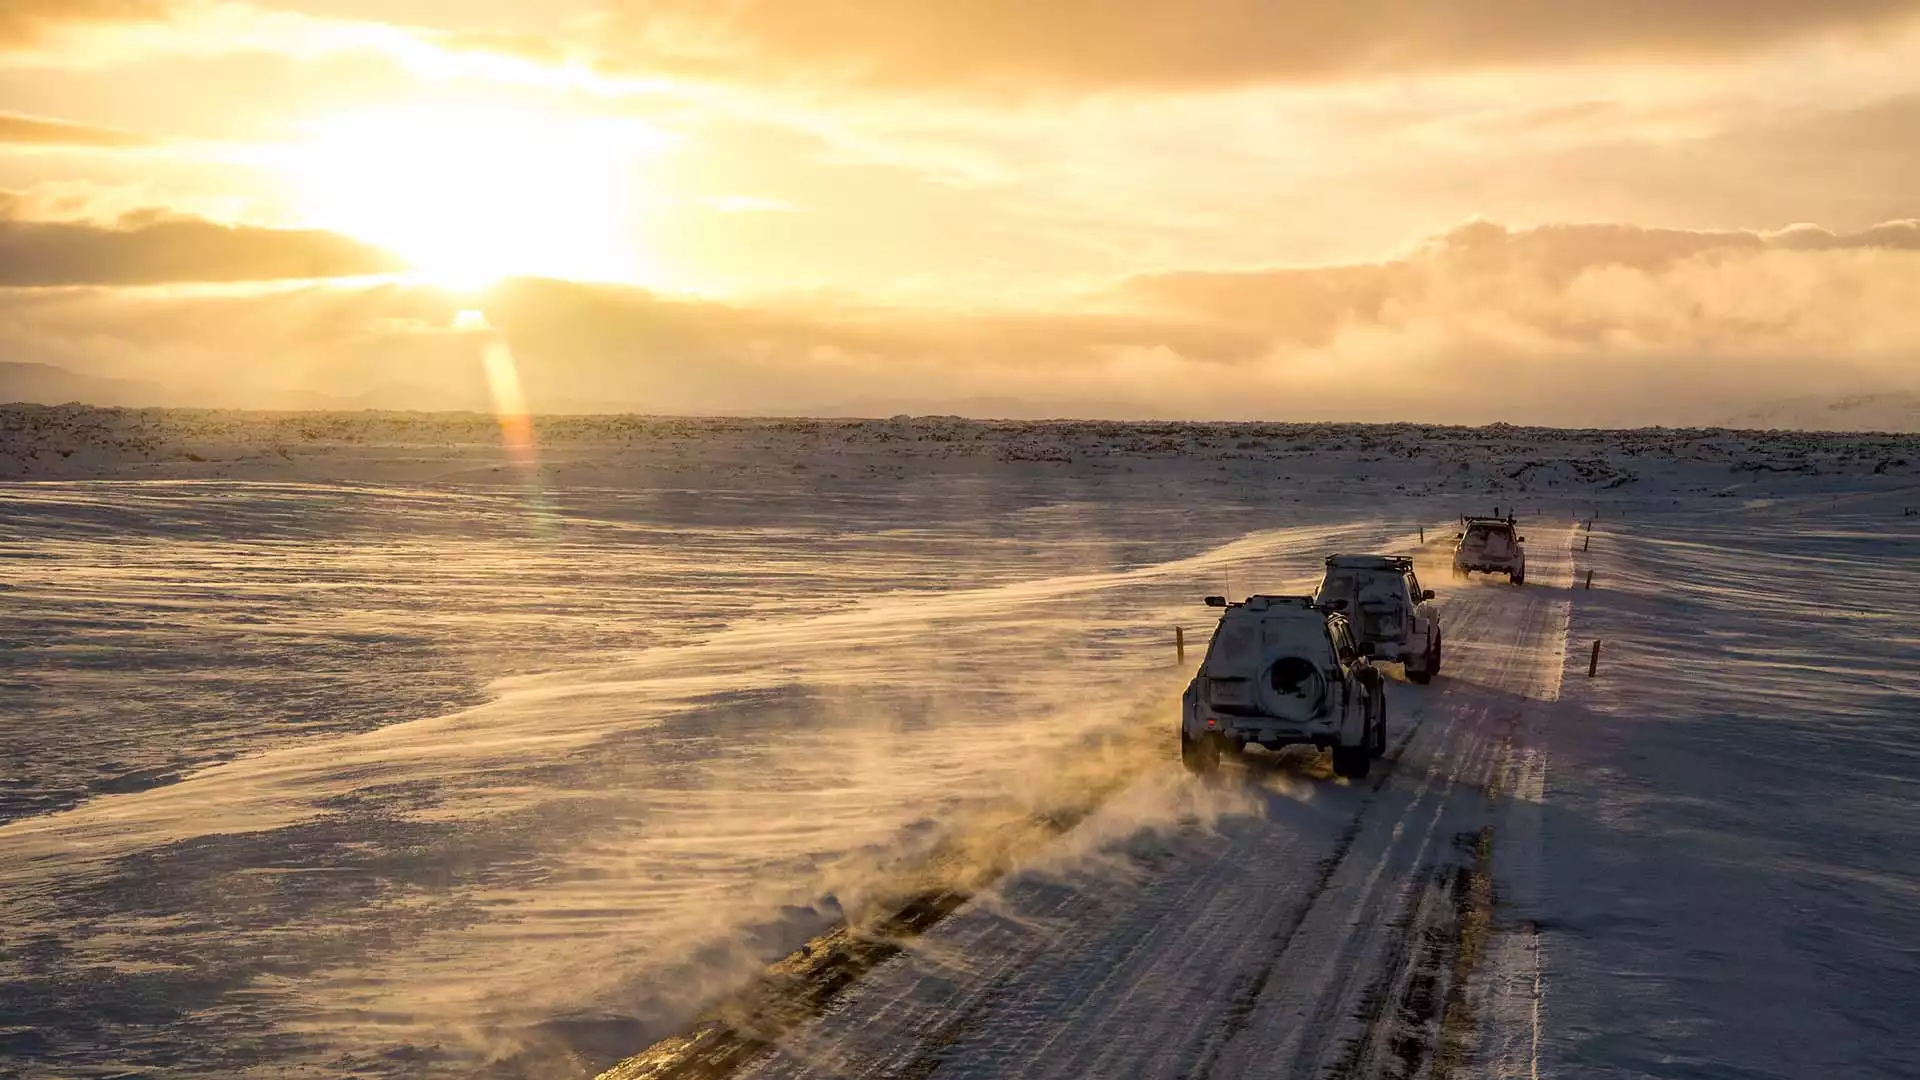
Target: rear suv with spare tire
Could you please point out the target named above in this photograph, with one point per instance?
(1382, 599)
(1280, 671)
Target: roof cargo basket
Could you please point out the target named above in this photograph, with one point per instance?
(1261, 602)
(1372, 562)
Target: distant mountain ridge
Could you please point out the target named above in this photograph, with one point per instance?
(49, 384)
(1891, 411)
(46, 384)
(980, 408)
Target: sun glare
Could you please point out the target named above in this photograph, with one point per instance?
(469, 197)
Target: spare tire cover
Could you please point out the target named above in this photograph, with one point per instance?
(1293, 688)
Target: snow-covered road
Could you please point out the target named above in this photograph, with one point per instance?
(1273, 924)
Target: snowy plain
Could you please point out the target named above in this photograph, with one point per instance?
(364, 745)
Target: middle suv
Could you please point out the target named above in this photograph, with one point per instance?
(1381, 597)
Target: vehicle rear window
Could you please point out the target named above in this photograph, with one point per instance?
(1363, 587)
(1244, 642)
(1340, 585)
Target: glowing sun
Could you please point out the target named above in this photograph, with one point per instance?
(469, 197)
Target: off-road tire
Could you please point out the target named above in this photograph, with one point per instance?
(1429, 665)
(1379, 747)
(1201, 756)
(1352, 762)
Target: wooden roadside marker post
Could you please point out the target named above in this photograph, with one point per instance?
(1180, 644)
(1589, 579)
(1593, 665)
(1423, 534)
(1587, 543)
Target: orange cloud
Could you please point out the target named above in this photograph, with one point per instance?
(24, 22)
(1601, 289)
(1206, 43)
(159, 247)
(1570, 324)
(37, 131)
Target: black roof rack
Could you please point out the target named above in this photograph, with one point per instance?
(1396, 562)
(1268, 602)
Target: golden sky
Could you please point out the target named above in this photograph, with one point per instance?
(1638, 211)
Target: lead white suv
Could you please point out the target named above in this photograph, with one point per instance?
(1490, 545)
(1282, 670)
(1382, 599)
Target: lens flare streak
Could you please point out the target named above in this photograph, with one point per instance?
(510, 407)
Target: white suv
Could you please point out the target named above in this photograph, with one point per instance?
(1381, 597)
(1282, 670)
(1492, 546)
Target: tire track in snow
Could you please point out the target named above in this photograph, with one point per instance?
(1430, 1015)
(1354, 928)
(1240, 1011)
(966, 1012)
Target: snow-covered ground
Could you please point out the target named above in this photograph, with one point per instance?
(1728, 881)
(363, 745)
